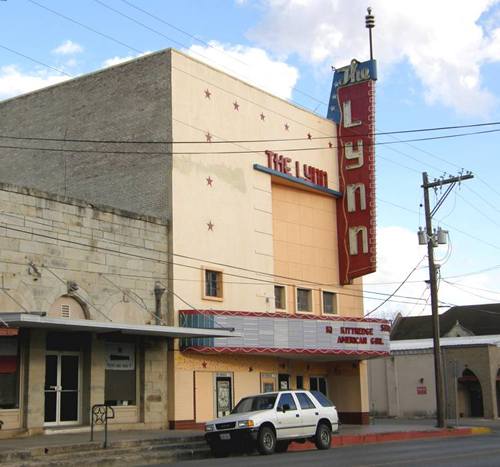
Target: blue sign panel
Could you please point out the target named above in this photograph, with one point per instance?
(356, 72)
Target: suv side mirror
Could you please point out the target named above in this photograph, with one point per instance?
(286, 407)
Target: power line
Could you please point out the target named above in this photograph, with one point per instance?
(228, 141)
(118, 253)
(212, 47)
(34, 60)
(76, 293)
(95, 31)
(249, 151)
(398, 287)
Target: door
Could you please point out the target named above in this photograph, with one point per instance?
(309, 413)
(223, 395)
(62, 388)
(288, 419)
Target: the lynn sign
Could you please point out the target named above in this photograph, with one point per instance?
(352, 107)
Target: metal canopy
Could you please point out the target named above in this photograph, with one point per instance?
(28, 320)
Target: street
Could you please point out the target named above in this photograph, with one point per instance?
(474, 451)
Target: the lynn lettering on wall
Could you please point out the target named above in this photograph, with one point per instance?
(352, 107)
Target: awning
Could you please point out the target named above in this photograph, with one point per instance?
(28, 320)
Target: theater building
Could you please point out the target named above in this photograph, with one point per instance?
(268, 222)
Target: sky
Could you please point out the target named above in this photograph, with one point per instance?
(438, 64)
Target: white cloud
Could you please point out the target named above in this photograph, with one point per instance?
(117, 60)
(68, 48)
(398, 253)
(14, 82)
(445, 42)
(250, 64)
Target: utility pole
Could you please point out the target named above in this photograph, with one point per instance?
(432, 239)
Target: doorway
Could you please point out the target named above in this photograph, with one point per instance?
(223, 395)
(470, 388)
(62, 388)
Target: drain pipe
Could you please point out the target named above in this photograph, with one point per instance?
(159, 290)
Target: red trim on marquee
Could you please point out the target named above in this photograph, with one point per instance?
(9, 331)
(283, 315)
(272, 350)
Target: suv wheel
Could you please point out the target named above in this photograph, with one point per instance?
(323, 438)
(266, 442)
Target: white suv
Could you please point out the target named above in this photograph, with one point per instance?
(270, 421)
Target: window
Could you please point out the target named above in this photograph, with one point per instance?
(268, 382)
(304, 401)
(213, 284)
(329, 305)
(287, 399)
(120, 377)
(304, 300)
(9, 373)
(322, 399)
(317, 383)
(279, 297)
(300, 382)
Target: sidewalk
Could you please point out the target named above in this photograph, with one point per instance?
(381, 430)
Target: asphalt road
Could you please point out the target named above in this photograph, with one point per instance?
(477, 451)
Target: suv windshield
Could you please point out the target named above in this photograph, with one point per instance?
(255, 403)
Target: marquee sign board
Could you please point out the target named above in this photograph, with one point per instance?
(282, 333)
(352, 107)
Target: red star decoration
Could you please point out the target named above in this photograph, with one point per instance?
(309, 136)
(236, 105)
(204, 364)
(210, 226)
(287, 126)
(262, 117)
(207, 93)
(209, 181)
(209, 137)
(330, 144)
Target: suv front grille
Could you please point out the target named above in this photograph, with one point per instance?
(225, 426)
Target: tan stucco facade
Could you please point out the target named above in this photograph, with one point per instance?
(271, 231)
(202, 202)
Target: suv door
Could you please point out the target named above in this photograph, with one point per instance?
(310, 413)
(288, 418)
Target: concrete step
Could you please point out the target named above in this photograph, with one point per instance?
(112, 458)
(89, 454)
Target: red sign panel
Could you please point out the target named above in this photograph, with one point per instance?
(421, 390)
(356, 209)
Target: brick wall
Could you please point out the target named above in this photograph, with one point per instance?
(131, 101)
(114, 256)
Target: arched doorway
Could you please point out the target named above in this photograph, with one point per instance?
(470, 395)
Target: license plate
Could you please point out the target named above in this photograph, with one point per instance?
(225, 436)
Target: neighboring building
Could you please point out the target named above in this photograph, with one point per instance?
(403, 384)
(250, 240)
(78, 315)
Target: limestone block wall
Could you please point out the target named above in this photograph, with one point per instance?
(113, 256)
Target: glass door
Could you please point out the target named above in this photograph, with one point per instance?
(62, 388)
(224, 395)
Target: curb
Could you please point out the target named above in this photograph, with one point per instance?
(373, 438)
